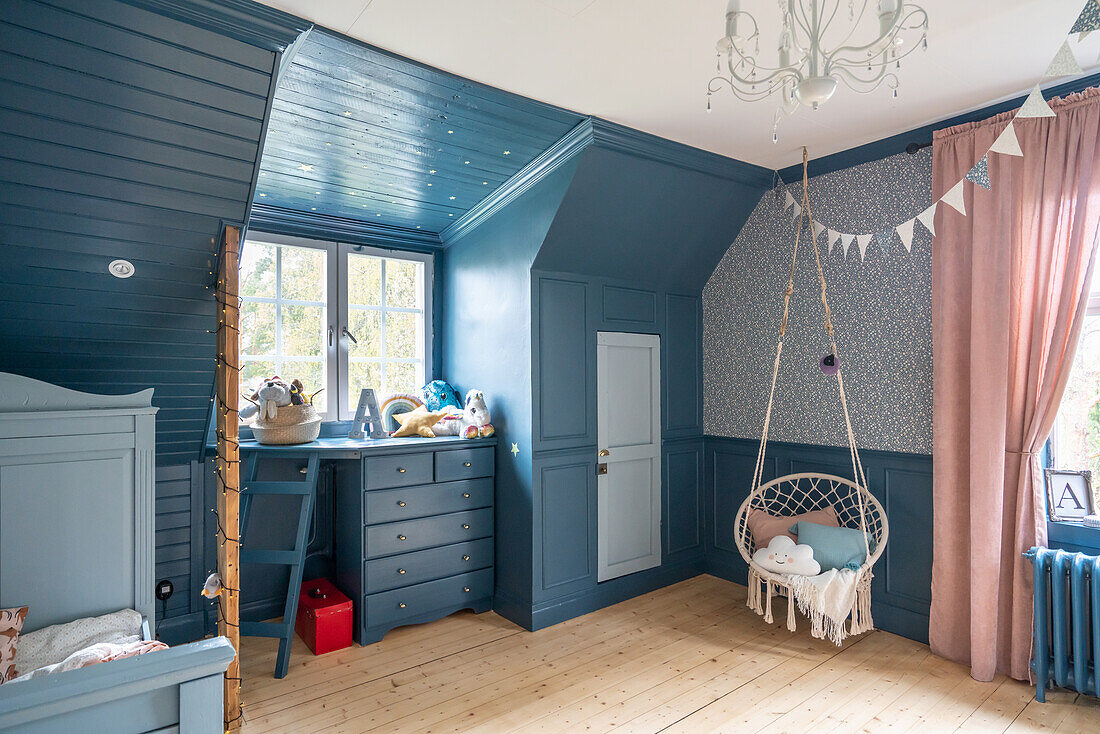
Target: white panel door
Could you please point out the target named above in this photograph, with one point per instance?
(628, 410)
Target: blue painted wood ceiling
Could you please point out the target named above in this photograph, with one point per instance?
(359, 133)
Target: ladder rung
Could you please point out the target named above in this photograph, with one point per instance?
(300, 488)
(265, 629)
(284, 557)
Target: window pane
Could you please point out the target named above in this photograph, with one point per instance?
(403, 279)
(303, 274)
(1077, 440)
(312, 376)
(257, 268)
(252, 372)
(257, 328)
(402, 335)
(366, 327)
(364, 280)
(303, 331)
(402, 377)
(362, 375)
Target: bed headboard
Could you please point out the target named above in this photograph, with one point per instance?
(76, 501)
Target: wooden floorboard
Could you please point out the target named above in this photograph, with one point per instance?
(688, 658)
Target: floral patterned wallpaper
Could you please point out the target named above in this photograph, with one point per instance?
(882, 310)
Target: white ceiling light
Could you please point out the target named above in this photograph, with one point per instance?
(815, 52)
(121, 268)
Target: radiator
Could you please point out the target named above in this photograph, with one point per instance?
(1067, 621)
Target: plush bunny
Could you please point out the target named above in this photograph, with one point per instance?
(273, 393)
(472, 421)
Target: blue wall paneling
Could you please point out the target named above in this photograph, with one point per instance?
(902, 587)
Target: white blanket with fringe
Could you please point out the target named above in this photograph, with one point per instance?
(826, 600)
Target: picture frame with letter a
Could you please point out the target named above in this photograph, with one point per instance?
(1069, 495)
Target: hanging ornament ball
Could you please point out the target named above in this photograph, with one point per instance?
(830, 364)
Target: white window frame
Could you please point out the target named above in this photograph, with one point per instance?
(337, 368)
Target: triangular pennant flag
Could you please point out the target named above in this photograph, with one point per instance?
(796, 212)
(1063, 64)
(979, 174)
(846, 242)
(954, 198)
(862, 240)
(818, 229)
(788, 201)
(1007, 143)
(1082, 36)
(1089, 19)
(927, 217)
(905, 232)
(833, 237)
(1035, 105)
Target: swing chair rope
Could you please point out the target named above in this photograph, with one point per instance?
(857, 464)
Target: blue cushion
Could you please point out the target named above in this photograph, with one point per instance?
(833, 547)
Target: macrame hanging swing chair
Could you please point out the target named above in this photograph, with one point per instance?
(794, 494)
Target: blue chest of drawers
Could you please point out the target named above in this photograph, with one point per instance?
(414, 534)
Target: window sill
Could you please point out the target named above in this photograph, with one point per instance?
(1073, 537)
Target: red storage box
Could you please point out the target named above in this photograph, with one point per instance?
(324, 617)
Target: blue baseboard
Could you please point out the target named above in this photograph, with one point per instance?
(511, 608)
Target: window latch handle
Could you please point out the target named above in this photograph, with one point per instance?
(351, 336)
(330, 330)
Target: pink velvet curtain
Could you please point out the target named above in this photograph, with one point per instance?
(1009, 294)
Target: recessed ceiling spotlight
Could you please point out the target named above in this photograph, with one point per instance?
(466, 162)
(432, 171)
(263, 173)
(429, 184)
(328, 143)
(316, 192)
(347, 113)
(377, 215)
(305, 167)
(419, 153)
(450, 132)
(450, 215)
(121, 268)
(484, 183)
(507, 152)
(313, 208)
(452, 198)
(418, 226)
(263, 194)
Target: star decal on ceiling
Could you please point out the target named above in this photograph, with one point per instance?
(305, 167)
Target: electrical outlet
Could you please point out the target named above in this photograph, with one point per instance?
(164, 589)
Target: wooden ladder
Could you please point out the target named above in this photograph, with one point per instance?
(294, 558)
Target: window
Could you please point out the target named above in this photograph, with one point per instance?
(339, 317)
(1075, 440)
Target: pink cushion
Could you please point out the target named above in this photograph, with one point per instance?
(764, 527)
(11, 623)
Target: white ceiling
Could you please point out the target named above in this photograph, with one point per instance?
(646, 63)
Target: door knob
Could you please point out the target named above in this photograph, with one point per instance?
(604, 452)
(400, 503)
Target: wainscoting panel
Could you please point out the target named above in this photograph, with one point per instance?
(565, 523)
(683, 497)
(630, 306)
(682, 367)
(563, 351)
(901, 590)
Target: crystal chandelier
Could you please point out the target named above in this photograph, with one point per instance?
(815, 52)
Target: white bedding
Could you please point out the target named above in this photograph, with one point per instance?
(52, 645)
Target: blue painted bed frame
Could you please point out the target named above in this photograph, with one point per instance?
(76, 540)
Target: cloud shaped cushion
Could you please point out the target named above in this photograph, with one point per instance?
(782, 555)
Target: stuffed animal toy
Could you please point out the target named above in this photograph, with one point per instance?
(417, 422)
(439, 395)
(782, 555)
(273, 393)
(471, 422)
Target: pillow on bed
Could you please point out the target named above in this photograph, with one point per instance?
(764, 527)
(833, 547)
(101, 652)
(53, 644)
(11, 623)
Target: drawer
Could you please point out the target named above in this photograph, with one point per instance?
(463, 464)
(391, 505)
(401, 470)
(427, 532)
(422, 599)
(407, 569)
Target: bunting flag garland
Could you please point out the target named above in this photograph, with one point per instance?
(1006, 143)
(954, 198)
(979, 174)
(1035, 105)
(905, 232)
(862, 240)
(846, 242)
(1089, 19)
(927, 217)
(1064, 63)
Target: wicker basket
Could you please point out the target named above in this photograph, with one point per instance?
(292, 424)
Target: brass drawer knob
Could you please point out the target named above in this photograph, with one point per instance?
(465, 526)
(465, 558)
(466, 589)
(466, 495)
(400, 605)
(400, 503)
(400, 537)
(400, 572)
(465, 463)
(400, 470)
